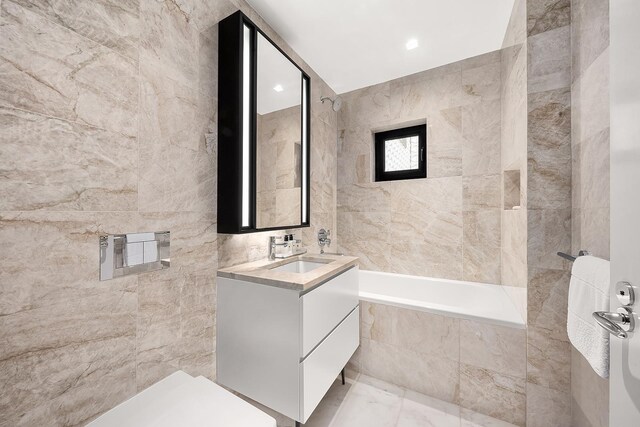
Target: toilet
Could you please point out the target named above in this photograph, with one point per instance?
(182, 400)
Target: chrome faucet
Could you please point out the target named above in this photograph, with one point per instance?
(323, 239)
(273, 245)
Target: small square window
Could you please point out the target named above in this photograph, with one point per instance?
(400, 153)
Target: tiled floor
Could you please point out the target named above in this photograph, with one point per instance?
(367, 402)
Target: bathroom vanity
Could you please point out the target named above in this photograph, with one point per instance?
(286, 328)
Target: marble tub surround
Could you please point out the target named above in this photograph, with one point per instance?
(108, 113)
(447, 225)
(263, 271)
(590, 180)
(478, 366)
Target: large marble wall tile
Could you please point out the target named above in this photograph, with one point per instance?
(378, 321)
(51, 70)
(590, 32)
(365, 106)
(70, 339)
(203, 16)
(594, 234)
(176, 307)
(481, 192)
(482, 60)
(549, 232)
(363, 198)
(373, 255)
(592, 89)
(483, 83)
(547, 407)
(444, 143)
(433, 376)
(548, 359)
(497, 348)
(240, 248)
(442, 230)
(481, 246)
(425, 333)
(549, 150)
(412, 101)
(177, 168)
(546, 15)
(481, 133)
(494, 394)
(168, 41)
(514, 248)
(441, 194)
(549, 65)
(158, 349)
(363, 226)
(111, 23)
(594, 165)
(548, 291)
(355, 168)
(426, 259)
(69, 167)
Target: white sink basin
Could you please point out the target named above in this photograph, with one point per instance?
(299, 266)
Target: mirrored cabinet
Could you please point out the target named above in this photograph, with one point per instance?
(263, 133)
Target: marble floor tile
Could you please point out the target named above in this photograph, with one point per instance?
(367, 401)
(419, 410)
(368, 406)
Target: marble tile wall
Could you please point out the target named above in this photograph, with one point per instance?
(548, 211)
(108, 113)
(447, 225)
(590, 181)
(479, 366)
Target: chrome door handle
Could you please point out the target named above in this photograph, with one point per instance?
(618, 324)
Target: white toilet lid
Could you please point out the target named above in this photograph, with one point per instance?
(181, 400)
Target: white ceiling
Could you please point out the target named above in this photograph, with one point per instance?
(356, 43)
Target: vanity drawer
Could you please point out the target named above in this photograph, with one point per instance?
(320, 369)
(324, 308)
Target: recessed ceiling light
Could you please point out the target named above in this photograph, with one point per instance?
(278, 88)
(412, 44)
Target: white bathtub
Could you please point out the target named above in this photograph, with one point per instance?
(468, 300)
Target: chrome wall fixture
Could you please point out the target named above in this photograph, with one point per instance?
(126, 254)
(323, 239)
(571, 257)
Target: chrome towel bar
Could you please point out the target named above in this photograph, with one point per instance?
(571, 257)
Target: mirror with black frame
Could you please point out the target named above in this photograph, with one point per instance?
(263, 133)
(278, 139)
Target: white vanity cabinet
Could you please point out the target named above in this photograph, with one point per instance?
(284, 347)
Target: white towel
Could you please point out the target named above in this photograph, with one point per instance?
(589, 292)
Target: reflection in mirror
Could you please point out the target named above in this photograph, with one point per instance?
(278, 138)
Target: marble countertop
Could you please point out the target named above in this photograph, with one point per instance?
(262, 271)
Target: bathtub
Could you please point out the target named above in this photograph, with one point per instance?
(468, 300)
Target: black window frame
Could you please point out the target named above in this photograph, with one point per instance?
(380, 137)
